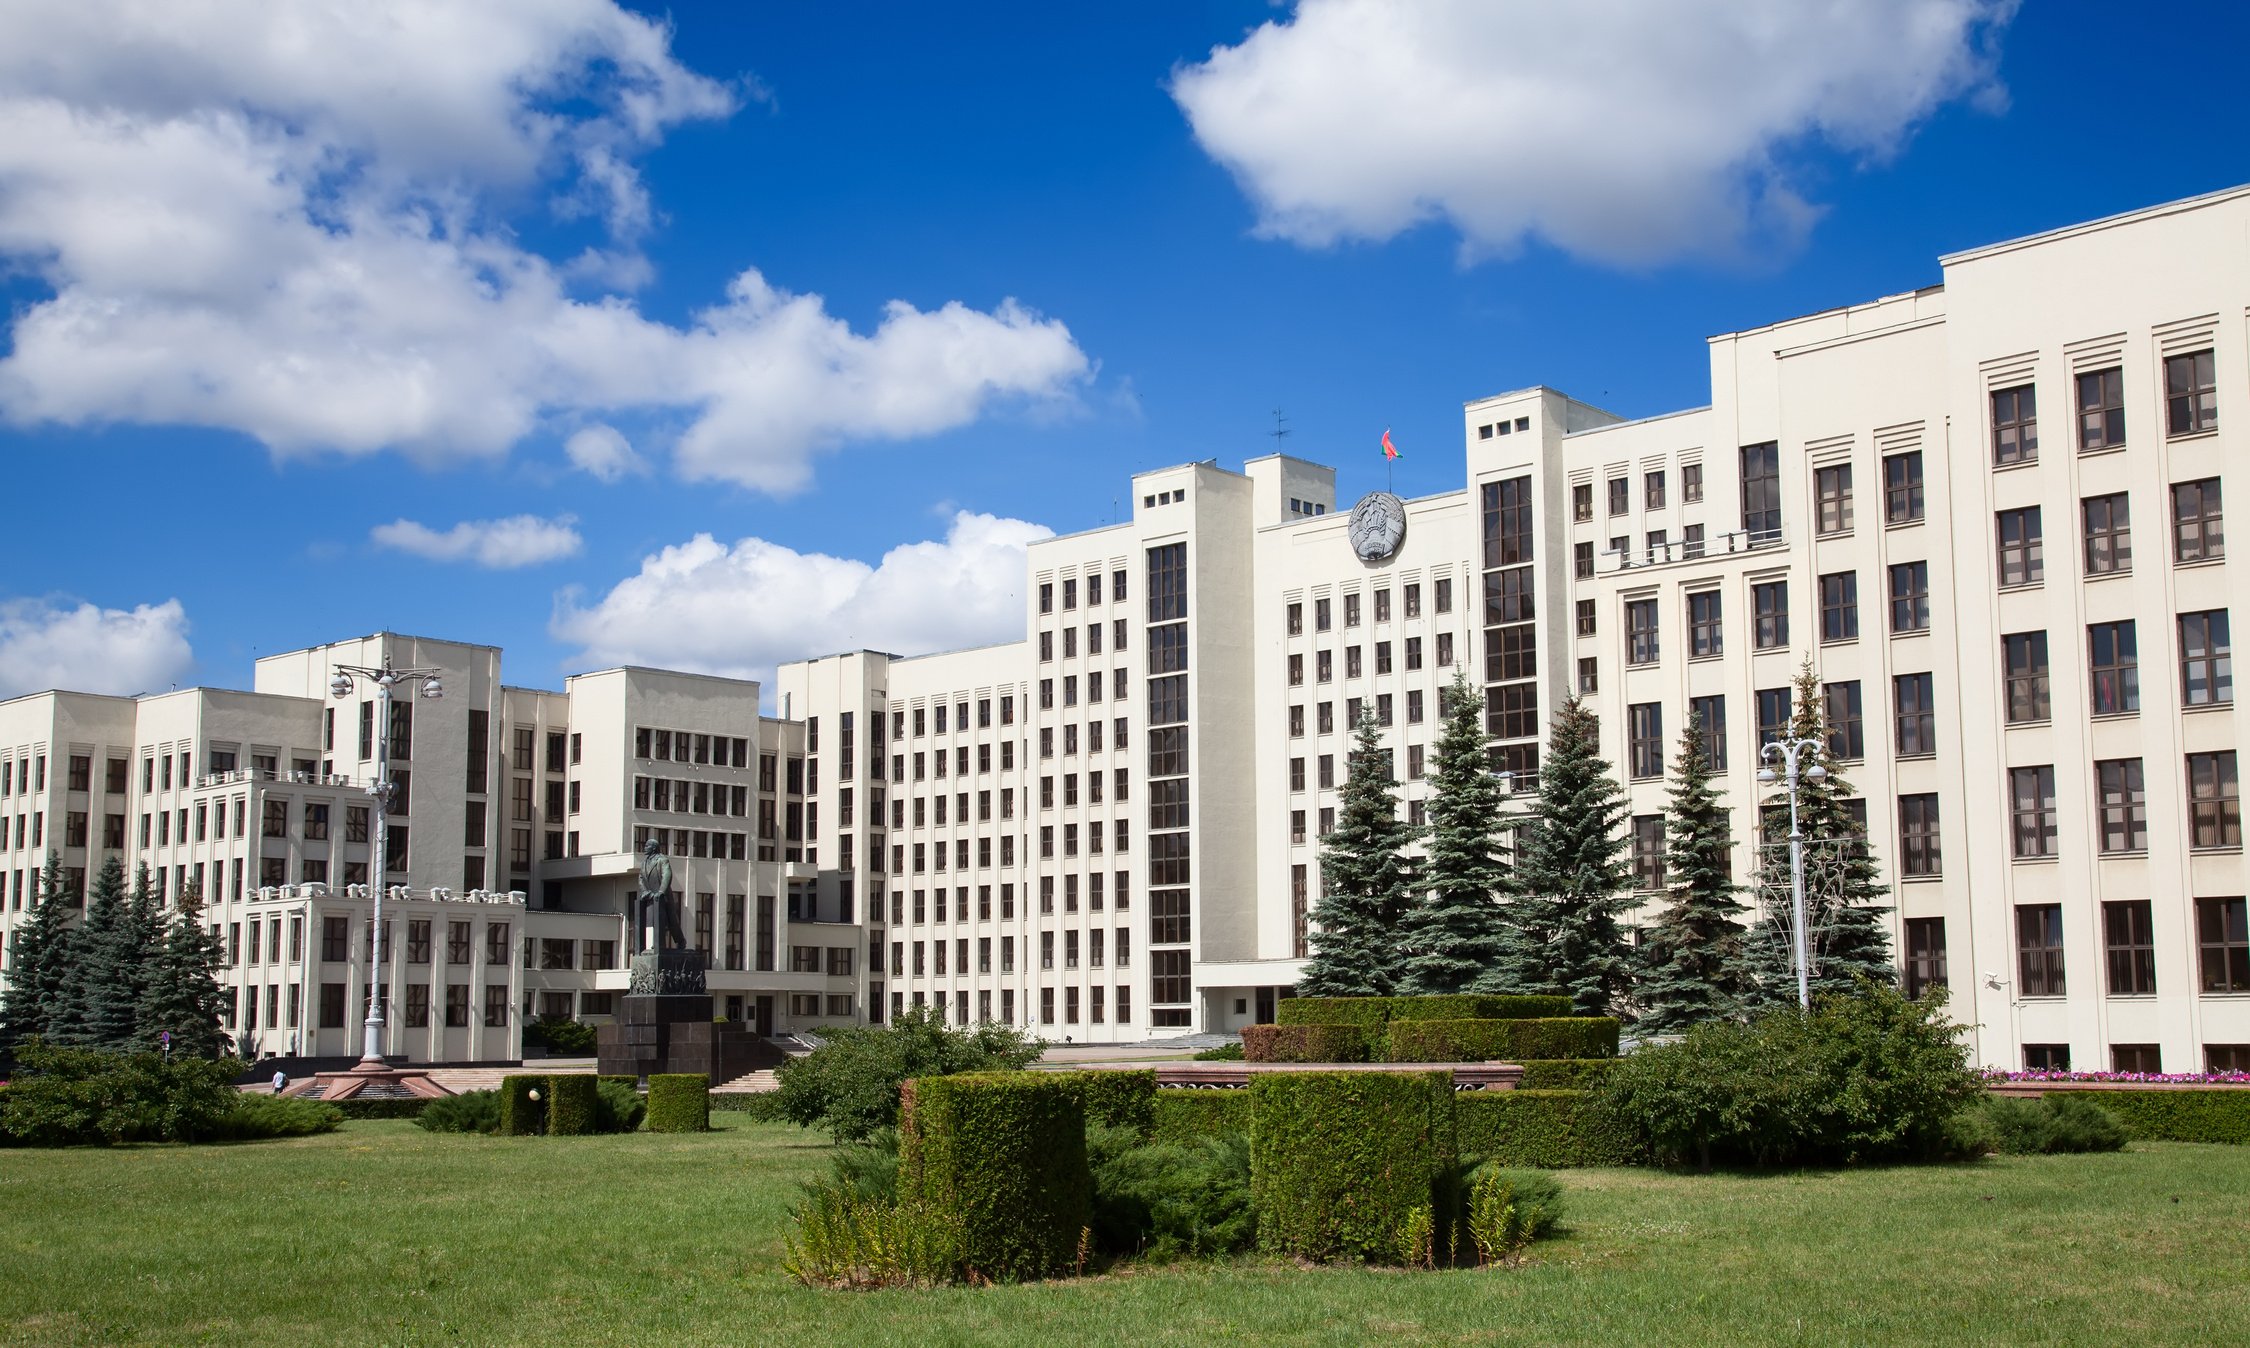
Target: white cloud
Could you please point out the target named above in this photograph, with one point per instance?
(603, 451)
(741, 610)
(519, 540)
(82, 648)
(296, 222)
(1627, 131)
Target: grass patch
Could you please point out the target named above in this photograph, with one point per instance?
(381, 1233)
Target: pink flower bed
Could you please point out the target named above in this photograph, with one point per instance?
(2153, 1078)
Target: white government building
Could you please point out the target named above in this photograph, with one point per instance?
(1109, 830)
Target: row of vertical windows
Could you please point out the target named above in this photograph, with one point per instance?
(2190, 406)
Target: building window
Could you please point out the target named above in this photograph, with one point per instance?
(2025, 656)
(2031, 805)
(1833, 488)
(1648, 851)
(1589, 674)
(2123, 803)
(1584, 616)
(2101, 409)
(1925, 954)
(2223, 941)
(1652, 490)
(2039, 949)
(2021, 556)
(2196, 532)
(2214, 801)
(1645, 739)
(2129, 947)
(1902, 487)
(1620, 496)
(2191, 394)
(1708, 715)
(2147, 1058)
(1640, 632)
(1914, 695)
(1773, 714)
(2046, 1057)
(1761, 493)
(2206, 659)
(2109, 534)
(1769, 607)
(1840, 709)
(2113, 666)
(2015, 425)
(1839, 607)
(1704, 637)
(1919, 854)
(1582, 560)
(1582, 502)
(1910, 597)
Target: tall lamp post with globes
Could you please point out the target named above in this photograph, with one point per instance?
(1789, 753)
(386, 681)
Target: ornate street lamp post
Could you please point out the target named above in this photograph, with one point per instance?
(386, 680)
(1788, 753)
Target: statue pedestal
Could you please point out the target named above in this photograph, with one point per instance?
(664, 1025)
(667, 973)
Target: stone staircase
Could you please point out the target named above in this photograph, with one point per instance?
(461, 1079)
(749, 1083)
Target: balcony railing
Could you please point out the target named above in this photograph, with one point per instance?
(1674, 551)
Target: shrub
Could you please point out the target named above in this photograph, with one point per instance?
(1507, 1210)
(66, 1097)
(1501, 1040)
(845, 1240)
(1304, 1043)
(384, 1107)
(1006, 1151)
(869, 1169)
(573, 1105)
(1125, 1099)
(1369, 1013)
(1564, 1074)
(1223, 1053)
(1478, 1006)
(1867, 1077)
(757, 1107)
(1170, 1199)
(617, 1108)
(563, 1035)
(2049, 1125)
(2221, 1114)
(520, 1115)
(1551, 1130)
(1178, 1115)
(262, 1116)
(1339, 1159)
(468, 1112)
(679, 1102)
(850, 1084)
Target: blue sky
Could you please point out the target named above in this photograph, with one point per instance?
(287, 336)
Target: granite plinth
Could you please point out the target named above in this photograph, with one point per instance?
(664, 1034)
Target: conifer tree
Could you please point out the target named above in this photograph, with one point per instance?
(1367, 881)
(36, 995)
(1691, 963)
(1565, 934)
(1455, 934)
(1847, 936)
(182, 996)
(101, 985)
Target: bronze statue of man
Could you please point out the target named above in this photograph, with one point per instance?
(656, 907)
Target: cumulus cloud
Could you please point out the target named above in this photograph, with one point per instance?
(46, 644)
(297, 222)
(740, 610)
(1626, 131)
(604, 452)
(519, 540)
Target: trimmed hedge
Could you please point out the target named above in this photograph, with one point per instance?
(573, 1105)
(2219, 1115)
(1369, 1013)
(1340, 1160)
(1479, 1006)
(679, 1102)
(520, 1115)
(380, 1109)
(1501, 1040)
(1123, 1099)
(755, 1106)
(1005, 1154)
(1181, 1115)
(1307, 1043)
(1565, 1074)
(1549, 1130)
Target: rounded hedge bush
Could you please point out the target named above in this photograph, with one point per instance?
(679, 1102)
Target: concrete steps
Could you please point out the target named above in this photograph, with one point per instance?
(749, 1083)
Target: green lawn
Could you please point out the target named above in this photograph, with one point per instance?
(384, 1234)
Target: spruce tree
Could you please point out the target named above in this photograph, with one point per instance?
(1455, 933)
(182, 996)
(36, 995)
(1691, 962)
(1565, 929)
(1366, 880)
(1847, 936)
(101, 985)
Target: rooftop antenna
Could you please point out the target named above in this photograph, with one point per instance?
(1280, 429)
